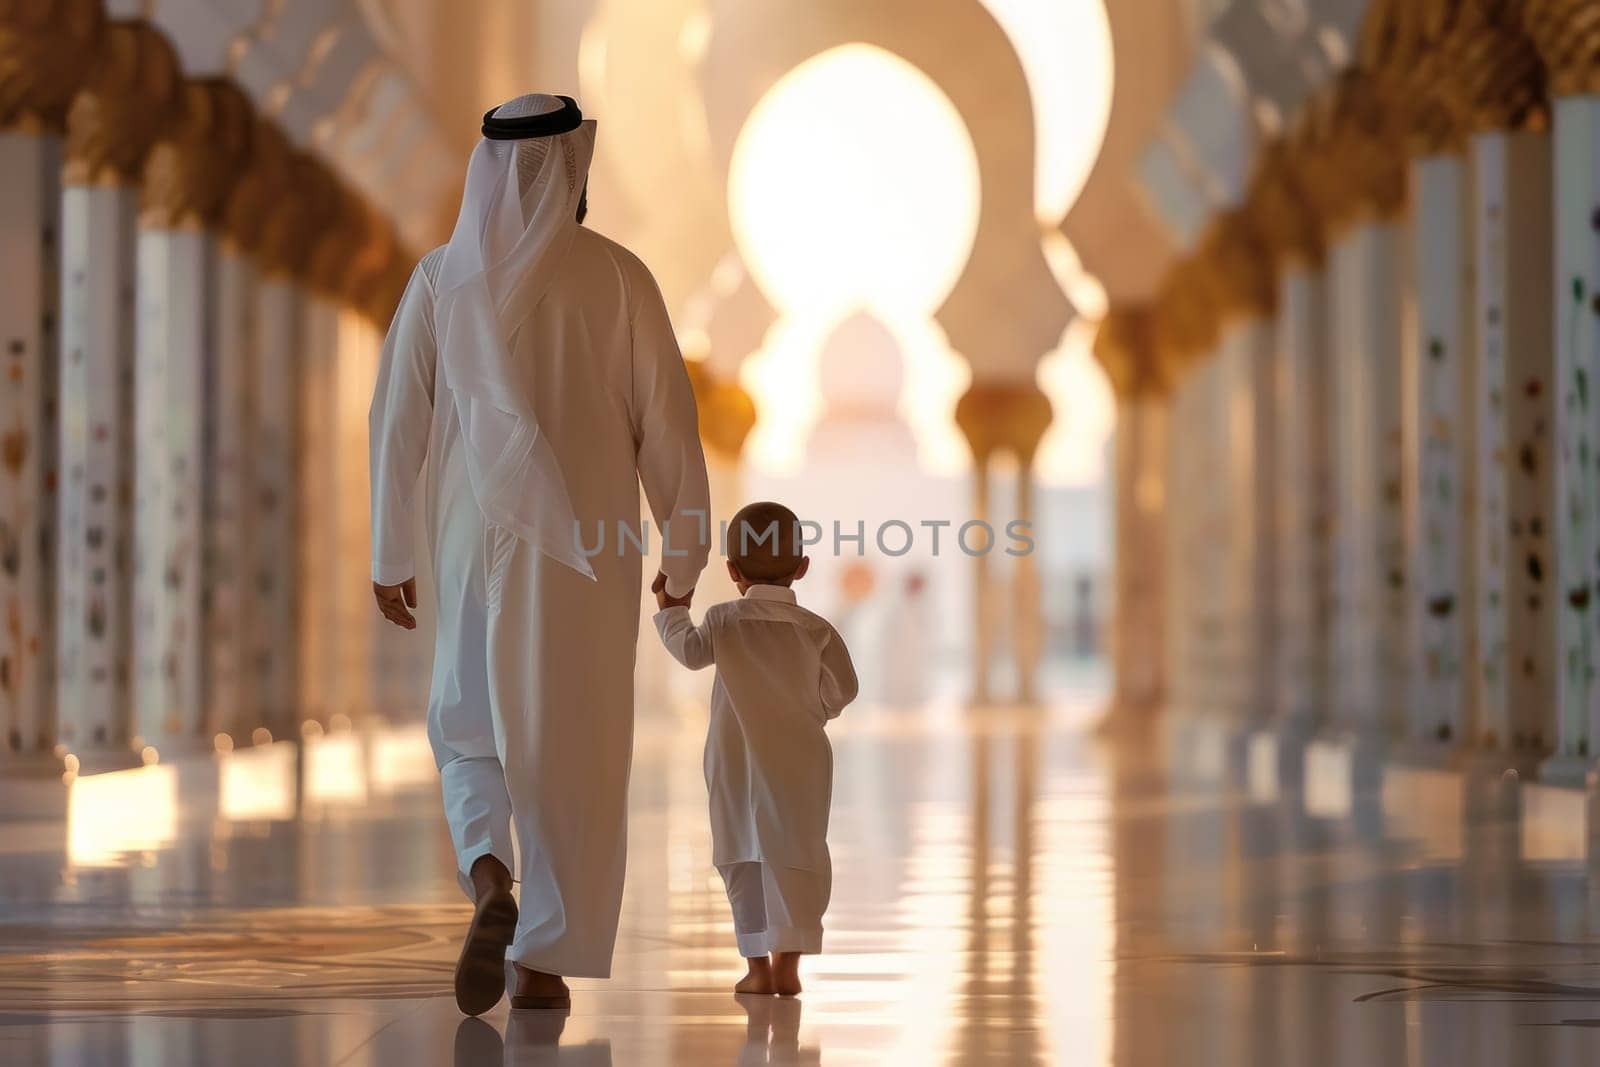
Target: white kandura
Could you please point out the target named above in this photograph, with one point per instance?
(571, 379)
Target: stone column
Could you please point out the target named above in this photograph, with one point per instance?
(1371, 632)
(1285, 220)
(1246, 295)
(1515, 387)
(1185, 329)
(1212, 544)
(1179, 635)
(1567, 36)
(1009, 417)
(1301, 444)
(317, 538)
(1126, 347)
(237, 697)
(1349, 151)
(186, 185)
(1439, 448)
(286, 227)
(43, 62)
(111, 126)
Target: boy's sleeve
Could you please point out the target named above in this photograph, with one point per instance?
(839, 685)
(689, 644)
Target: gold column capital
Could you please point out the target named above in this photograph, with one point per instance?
(291, 224)
(1241, 264)
(123, 108)
(1486, 68)
(1187, 321)
(1398, 52)
(389, 286)
(727, 412)
(1282, 211)
(1126, 347)
(1567, 35)
(264, 182)
(367, 274)
(47, 48)
(1004, 417)
(192, 170)
(1354, 153)
(341, 240)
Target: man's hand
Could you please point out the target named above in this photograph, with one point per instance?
(396, 602)
(663, 600)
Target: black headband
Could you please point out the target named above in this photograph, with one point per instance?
(522, 128)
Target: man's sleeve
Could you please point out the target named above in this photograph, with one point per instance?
(398, 425)
(672, 466)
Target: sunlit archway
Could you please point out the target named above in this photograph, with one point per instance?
(835, 209)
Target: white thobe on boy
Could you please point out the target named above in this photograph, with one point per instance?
(782, 672)
(531, 708)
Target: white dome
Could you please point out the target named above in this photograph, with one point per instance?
(859, 370)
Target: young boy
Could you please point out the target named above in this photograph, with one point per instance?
(782, 672)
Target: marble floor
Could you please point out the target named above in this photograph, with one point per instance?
(1009, 890)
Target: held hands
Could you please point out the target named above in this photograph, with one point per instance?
(396, 602)
(663, 599)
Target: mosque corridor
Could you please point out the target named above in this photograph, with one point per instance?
(1008, 889)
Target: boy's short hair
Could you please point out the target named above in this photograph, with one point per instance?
(764, 542)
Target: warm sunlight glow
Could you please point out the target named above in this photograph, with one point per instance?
(834, 209)
(1073, 452)
(112, 815)
(1065, 50)
(258, 784)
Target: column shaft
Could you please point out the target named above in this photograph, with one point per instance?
(96, 487)
(1212, 551)
(274, 574)
(983, 598)
(357, 618)
(176, 288)
(1300, 433)
(318, 539)
(1027, 638)
(1438, 360)
(231, 612)
(1138, 637)
(1245, 416)
(30, 217)
(1519, 618)
(1575, 226)
(1371, 630)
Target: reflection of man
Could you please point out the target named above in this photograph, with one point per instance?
(532, 369)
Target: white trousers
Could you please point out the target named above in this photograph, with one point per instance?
(478, 809)
(775, 909)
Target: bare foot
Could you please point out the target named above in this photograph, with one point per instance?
(786, 973)
(758, 979)
(535, 989)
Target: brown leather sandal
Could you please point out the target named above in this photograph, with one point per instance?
(554, 1002)
(481, 970)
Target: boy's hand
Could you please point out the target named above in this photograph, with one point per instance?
(396, 602)
(665, 601)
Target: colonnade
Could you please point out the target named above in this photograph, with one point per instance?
(1379, 497)
(191, 310)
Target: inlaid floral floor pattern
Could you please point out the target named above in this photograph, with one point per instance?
(251, 961)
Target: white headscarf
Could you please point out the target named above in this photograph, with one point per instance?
(518, 217)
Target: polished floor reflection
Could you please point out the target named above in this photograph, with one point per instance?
(1008, 891)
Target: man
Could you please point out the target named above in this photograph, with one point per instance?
(532, 369)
